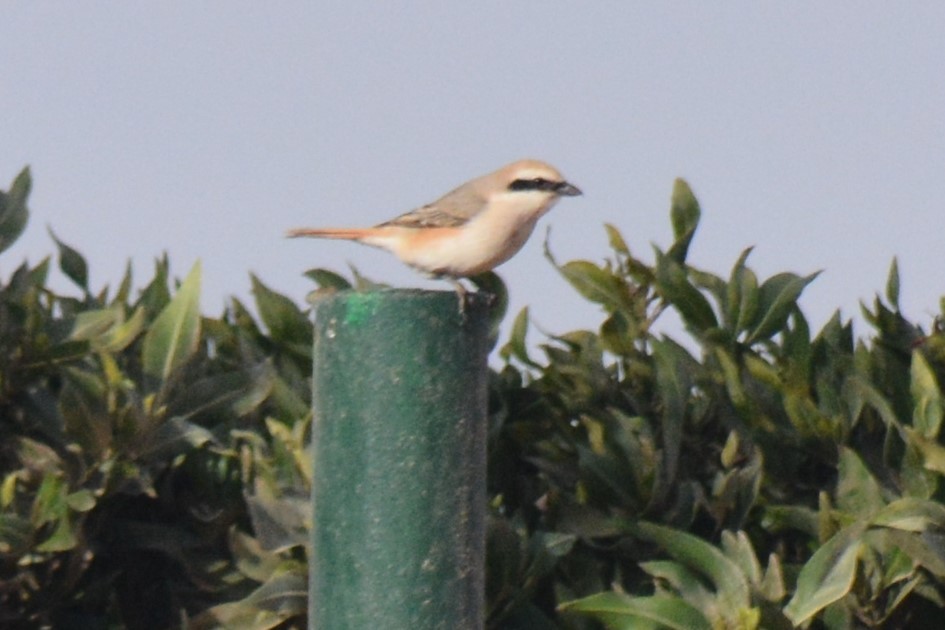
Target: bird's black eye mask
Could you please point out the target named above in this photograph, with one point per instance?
(538, 183)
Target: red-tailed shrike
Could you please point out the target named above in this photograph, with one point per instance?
(470, 230)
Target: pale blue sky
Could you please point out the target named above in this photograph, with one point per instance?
(814, 131)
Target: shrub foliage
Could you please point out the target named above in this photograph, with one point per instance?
(154, 467)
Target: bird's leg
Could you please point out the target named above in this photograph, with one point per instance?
(460, 293)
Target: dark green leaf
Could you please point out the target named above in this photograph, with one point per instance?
(285, 321)
(13, 212)
(892, 284)
(327, 279)
(516, 346)
(675, 287)
(72, 263)
(123, 293)
(778, 297)
(684, 214)
(156, 295)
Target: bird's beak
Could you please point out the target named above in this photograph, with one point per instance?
(568, 190)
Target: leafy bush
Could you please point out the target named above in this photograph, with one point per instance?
(141, 442)
(820, 453)
(154, 467)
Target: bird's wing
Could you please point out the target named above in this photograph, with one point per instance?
(451, 210)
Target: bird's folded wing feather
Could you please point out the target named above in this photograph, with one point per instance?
(452, 210)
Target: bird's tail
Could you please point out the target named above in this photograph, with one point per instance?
(349, 234)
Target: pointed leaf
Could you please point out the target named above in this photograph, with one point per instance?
(516, 346)
(828, 575)
(173, 337)
(122, 335)
(619, 611)
(13, 212)
(678, 291)
(124, 289)
(285, 321)
(327, 279)
(684, 213)
(674, 382)
(926, 396)
(72, 263)
(778, 297)
(598, 285)
(616, 240)
(858, 493)
(912, 515)
(892, 284)
(156, 295)
(725, 575)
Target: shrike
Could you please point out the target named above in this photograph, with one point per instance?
(470, 230)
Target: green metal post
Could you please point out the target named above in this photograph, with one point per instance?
(399, 462)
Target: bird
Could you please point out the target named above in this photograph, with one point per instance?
(470, 230)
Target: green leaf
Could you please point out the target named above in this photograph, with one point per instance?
(122, 335)
(828, 575)
(733, 379)
(687, 583)
(926, 396)
(285, 321)
(728, 579)
(892, 284)
(912, 515)
(684, 214)
(616, 240)
(858, 391)
(778, 297)
(124, 289)
(72, 263)
(63, 538)
(81, 500)
(156, 295)
(13, 212)
(516, 346)
(932, 453)
(858, 493)
(619, 334)
(738, 548)
(327, 279)
(49, 503)
(600, 286)
(92, 324)
(623, 612)
(677, 290)
(173, 337)
(106, 329)
(742, 294)
(674, 382)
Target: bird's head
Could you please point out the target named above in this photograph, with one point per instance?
(536, 180)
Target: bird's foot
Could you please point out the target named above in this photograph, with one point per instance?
(461, 295)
